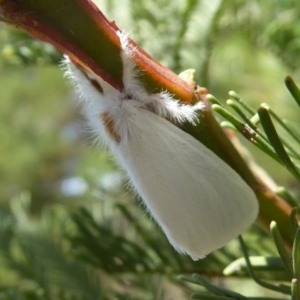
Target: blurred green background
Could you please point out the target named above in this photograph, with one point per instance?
(50, 167)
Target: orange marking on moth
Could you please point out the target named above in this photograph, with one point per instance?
(92, 81)
(110, 126)
(96, 85)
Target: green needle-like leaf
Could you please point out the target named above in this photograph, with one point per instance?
(247, 120)
(294, 289)
(296, 263)
(281, 249)
(294, 221)
(225, 124)
(261, 263)
(215, 290)
(279, 288)
(218, 290)
(255, 119)
(292, 152)
(275, 141)
(213, 100)
(236, 97)
(293, 88)
(285, 126)
(241, 113)
(203, 296)
(247, 132)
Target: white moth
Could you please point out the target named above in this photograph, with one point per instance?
(196, 198)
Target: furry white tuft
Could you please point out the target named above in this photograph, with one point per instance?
(195, 197)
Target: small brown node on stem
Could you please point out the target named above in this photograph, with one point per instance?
(199, 93)
(202, 91)
(248, 132)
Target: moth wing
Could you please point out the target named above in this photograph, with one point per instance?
(197, 199)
